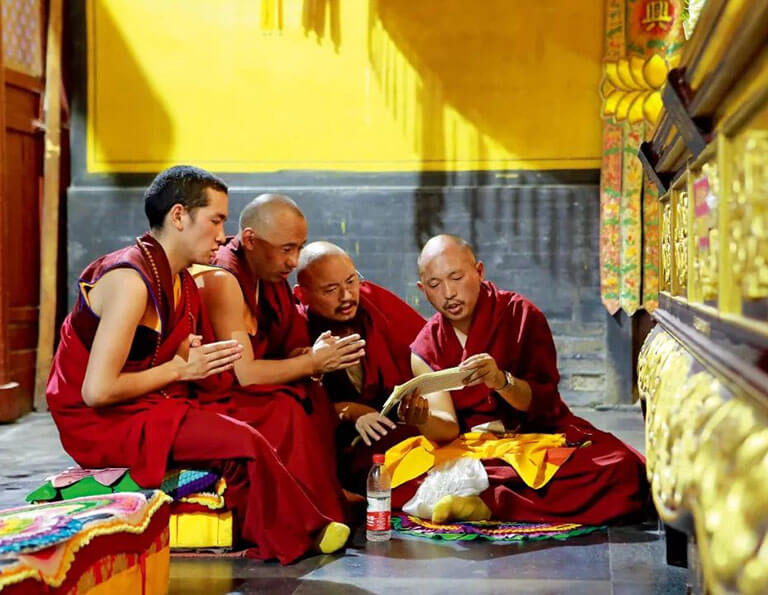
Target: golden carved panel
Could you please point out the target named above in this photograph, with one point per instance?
(666, 247)
(707, 455)
(748, 223)
(706, 193)
(681, 242)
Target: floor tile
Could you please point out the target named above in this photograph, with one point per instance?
(408, 586)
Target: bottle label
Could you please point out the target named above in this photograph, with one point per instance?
(377, 518)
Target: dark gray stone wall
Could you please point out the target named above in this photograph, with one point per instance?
(538, 237)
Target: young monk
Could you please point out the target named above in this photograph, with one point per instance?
(249, 300)
(504, 342)
(333, 298)
(136, 349)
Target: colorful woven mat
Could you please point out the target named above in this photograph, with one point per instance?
(489, 530)
(179, 483)
(40, 541)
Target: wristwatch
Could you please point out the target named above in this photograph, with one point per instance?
(508, 379)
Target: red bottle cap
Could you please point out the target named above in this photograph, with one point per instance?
(378, 459)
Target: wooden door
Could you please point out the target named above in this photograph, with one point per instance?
(21, 160)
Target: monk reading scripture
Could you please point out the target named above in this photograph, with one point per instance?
(504, 342)
(333, 298)
(135, 351)
(249, 300)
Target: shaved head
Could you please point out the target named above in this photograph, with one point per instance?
(265, 211)
(437, 246)
(272, 232)
(328, 282)
(450, 277)
(312, 254)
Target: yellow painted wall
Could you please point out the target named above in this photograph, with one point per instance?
(351, 85)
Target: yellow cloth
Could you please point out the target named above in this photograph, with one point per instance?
(529, 454)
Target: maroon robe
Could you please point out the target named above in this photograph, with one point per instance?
(149, 432)
(388, 325)
(297, 419)
(602, 481)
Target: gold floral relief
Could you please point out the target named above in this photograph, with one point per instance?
(706, 193)
(666, 247)
(707, 456)
(748, 228)
(681, 243)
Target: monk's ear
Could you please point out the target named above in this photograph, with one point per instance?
(420, 285)
(298, 292)
(480, 267)
(248, 237)
(176, 216)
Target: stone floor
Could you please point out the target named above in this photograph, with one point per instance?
(623, 560)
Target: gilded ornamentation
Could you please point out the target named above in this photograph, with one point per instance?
(748, 242)
(707, 456)
(706, 192)
(631, 88)
(681, 242)
(643, 40)
(666, 248)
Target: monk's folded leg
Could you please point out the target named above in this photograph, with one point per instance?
(301, 443)
(603, 482)
(274, 514)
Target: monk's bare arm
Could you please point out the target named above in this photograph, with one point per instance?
(226, 307)
(442, 425)
(120, 300)
(517, 393)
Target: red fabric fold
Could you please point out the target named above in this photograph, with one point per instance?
(602, 481)
(275, 516)
(388, 325)
(297, 419)
(137, 433)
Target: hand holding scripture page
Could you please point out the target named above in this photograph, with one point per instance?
(432, 382)
(448, 379)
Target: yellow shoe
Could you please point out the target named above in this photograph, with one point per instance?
(332, 538)
(460, 508)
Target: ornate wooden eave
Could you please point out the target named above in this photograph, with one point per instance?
(727, 38)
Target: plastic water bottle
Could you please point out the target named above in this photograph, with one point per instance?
(379, 501)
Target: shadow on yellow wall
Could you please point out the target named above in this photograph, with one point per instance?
(130, 110)
(490, 78)
(433, 85)
(314, 17)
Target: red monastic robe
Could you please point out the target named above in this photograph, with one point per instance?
(272, 511)
(297, 419)
(602, 481)
(388, 325)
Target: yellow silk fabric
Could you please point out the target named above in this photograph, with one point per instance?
(535, 457)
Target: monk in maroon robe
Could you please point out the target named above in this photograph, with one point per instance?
(134, 352)
(504, 341)
(248, 299)
(333, 298)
